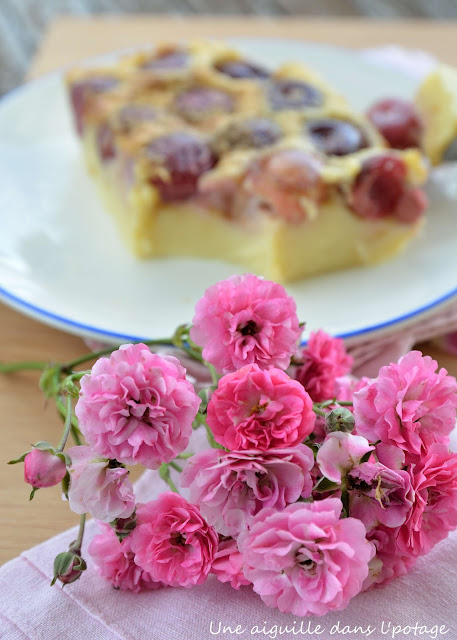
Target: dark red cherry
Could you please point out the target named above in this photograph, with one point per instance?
(398, 121)
(167, 61)
(106, 143)
(336, 137)
(185, 157)
(379, 187)
(199, 102)
(293, 94)
(254, 133)
(82, 91)
(242, 69)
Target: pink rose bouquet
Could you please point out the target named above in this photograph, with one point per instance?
(314, 485)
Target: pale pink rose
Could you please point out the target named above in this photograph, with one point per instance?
(114, 560)
(389, 562)
(256, 409)
(43, 469)
(339, 453)
(172, 541)
(408, 405)
(346, 386)
(99, 486)
(434, 512)
(324, 360)
(379, 495)
(137, 407)
(229, 487)
(305, 559)
(228, 564)
(244, 320)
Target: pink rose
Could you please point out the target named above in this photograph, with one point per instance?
(347, 385)
(434, 512)
(43, 469)
(137, 407)
(172, 542)
(228, 564)
(408, 405)
(229, 487)
(114, 560)
(324, 360)
(389, 563)
(256, 409)
(379, 495)
(305, 559)
(339, 453)
(244, 320)
(99, 487)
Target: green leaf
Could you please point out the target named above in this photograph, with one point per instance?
(205, 395)
(366, 457)
(49, 381)
(43, 446)
(62, 563)
(325, 485)
(20, 459)
(64, 457)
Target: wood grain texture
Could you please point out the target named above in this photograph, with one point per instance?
(24, 418)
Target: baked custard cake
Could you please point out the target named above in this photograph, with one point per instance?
(200, 152)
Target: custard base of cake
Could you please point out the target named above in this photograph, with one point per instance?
(270, 246)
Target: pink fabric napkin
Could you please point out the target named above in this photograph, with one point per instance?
(91, 609)
(421, 604)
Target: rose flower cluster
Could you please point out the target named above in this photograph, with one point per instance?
(315, 485)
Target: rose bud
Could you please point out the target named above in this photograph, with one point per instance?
(68, 567)
(340, 419)
(43, 468)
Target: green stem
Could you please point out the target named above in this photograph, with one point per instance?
(79, 540)
(193, 353)
(174, 465)
(184, 456)
(319, 412)
(345, 403)
(212, 370)
(22, 366)
(67, 425)
(212, 442)
(75, 432)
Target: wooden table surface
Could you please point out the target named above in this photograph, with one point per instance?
(24, 417)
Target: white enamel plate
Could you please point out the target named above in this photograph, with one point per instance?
(62, 262)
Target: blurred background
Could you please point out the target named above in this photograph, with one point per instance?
(22, 22)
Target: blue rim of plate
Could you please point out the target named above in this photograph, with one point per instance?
(58, 321)
(61, 322)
